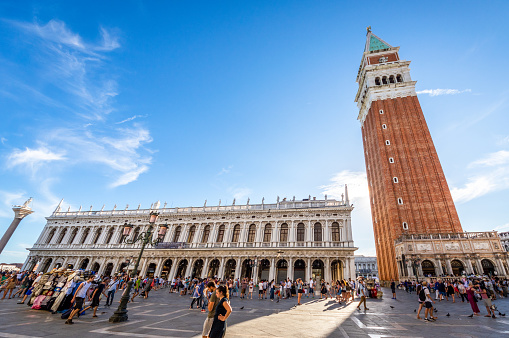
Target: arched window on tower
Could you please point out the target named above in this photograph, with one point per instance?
(267, 233)
(317, 231)
(384, 80)
(251, 234)
(300, 232)
(283, 235)
(377, 81)
(392, 79)
(335, 232)
(399, 78)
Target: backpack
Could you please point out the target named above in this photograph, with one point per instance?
(422, 296)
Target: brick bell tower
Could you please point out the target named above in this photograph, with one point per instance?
(407, 186)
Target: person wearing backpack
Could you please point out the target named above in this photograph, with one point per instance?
(421, 297)
(428, 304)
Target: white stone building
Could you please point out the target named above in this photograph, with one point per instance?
(366, 267)
(307, 238)
(504, 239)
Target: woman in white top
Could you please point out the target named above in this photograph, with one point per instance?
(251, 286)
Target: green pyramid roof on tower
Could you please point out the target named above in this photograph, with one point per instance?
(374, 43)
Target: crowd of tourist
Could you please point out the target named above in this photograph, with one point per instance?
(473, 290)
(71, 293)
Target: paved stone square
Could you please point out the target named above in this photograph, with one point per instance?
(168, 315)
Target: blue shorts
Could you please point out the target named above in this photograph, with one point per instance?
(443, 293)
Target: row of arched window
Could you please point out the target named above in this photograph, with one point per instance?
(235, 238)
(386, 80)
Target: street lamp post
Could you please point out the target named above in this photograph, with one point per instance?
(146, 238)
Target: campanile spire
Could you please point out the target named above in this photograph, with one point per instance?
(408, 190)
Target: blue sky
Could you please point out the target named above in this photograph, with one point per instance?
(132, 102)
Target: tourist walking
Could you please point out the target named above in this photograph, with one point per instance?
(362, 293)
(223, 311)
(428, 304)
(486, 300)
(96, 294)
(112, 287)
(79, 298)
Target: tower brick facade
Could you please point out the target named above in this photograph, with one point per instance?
(407, 186)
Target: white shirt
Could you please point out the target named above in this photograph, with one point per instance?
(426, 293)
(311, 283)
(112, 286)
(82, 292)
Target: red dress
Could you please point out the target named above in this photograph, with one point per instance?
(471, 299)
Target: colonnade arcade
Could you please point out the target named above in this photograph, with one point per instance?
(304, 264)
(452, 266)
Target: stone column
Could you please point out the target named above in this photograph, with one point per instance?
(448, 266)
(308, 269)
(291, 234)
(289, 272)
(326, 235)
(327, 269)
(159, 267)
(238, 268)
(205, 269)
(173, 269)
(143, 263)
(64, 264)
(20, 212)
(220, 273)
(255, 272)
(469, 268)
(478, 263)
(410, 269)
(272, 271)
(439, 269)
(189, 267)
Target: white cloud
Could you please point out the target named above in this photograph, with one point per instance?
(110, 42)
(241, 193)
(437, 92)
(129, 176)
(33, 158)
(486, 180)
(502, 227)
(8, 199)
(55, 31)
(3, 140)
(130, 119)
(358, 193)
(225, 170)
(494, 159)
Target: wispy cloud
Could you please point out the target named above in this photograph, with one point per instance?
(437, 92)
(240, 193)
(8, 199)
(492, 175)
(33, 158)
(493, 159)
(502, 227)
(131, 118)
(82, 71)
(226, 170)
(3, 140)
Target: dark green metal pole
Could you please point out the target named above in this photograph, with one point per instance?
(121, 314)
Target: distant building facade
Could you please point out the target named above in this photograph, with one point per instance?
(504, 238)
(296, 239)
(366, 267)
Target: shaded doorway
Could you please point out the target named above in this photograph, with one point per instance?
(299, 270)
(317, 271)
(213, 268)
(109, 269)
(281, 270)
(457, 267)
(181, 269)
(337, 270)
(46, 265)
(197, 268)
(488, 267)
(263, 270)
(151, 270)
(229, 271)
(247, 269)
(95, 267)
(84, 264)
(428, 268)
(166, 268)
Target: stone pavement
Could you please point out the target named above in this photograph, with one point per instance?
(167, 315)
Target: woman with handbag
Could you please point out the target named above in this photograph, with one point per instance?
(300, 290)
